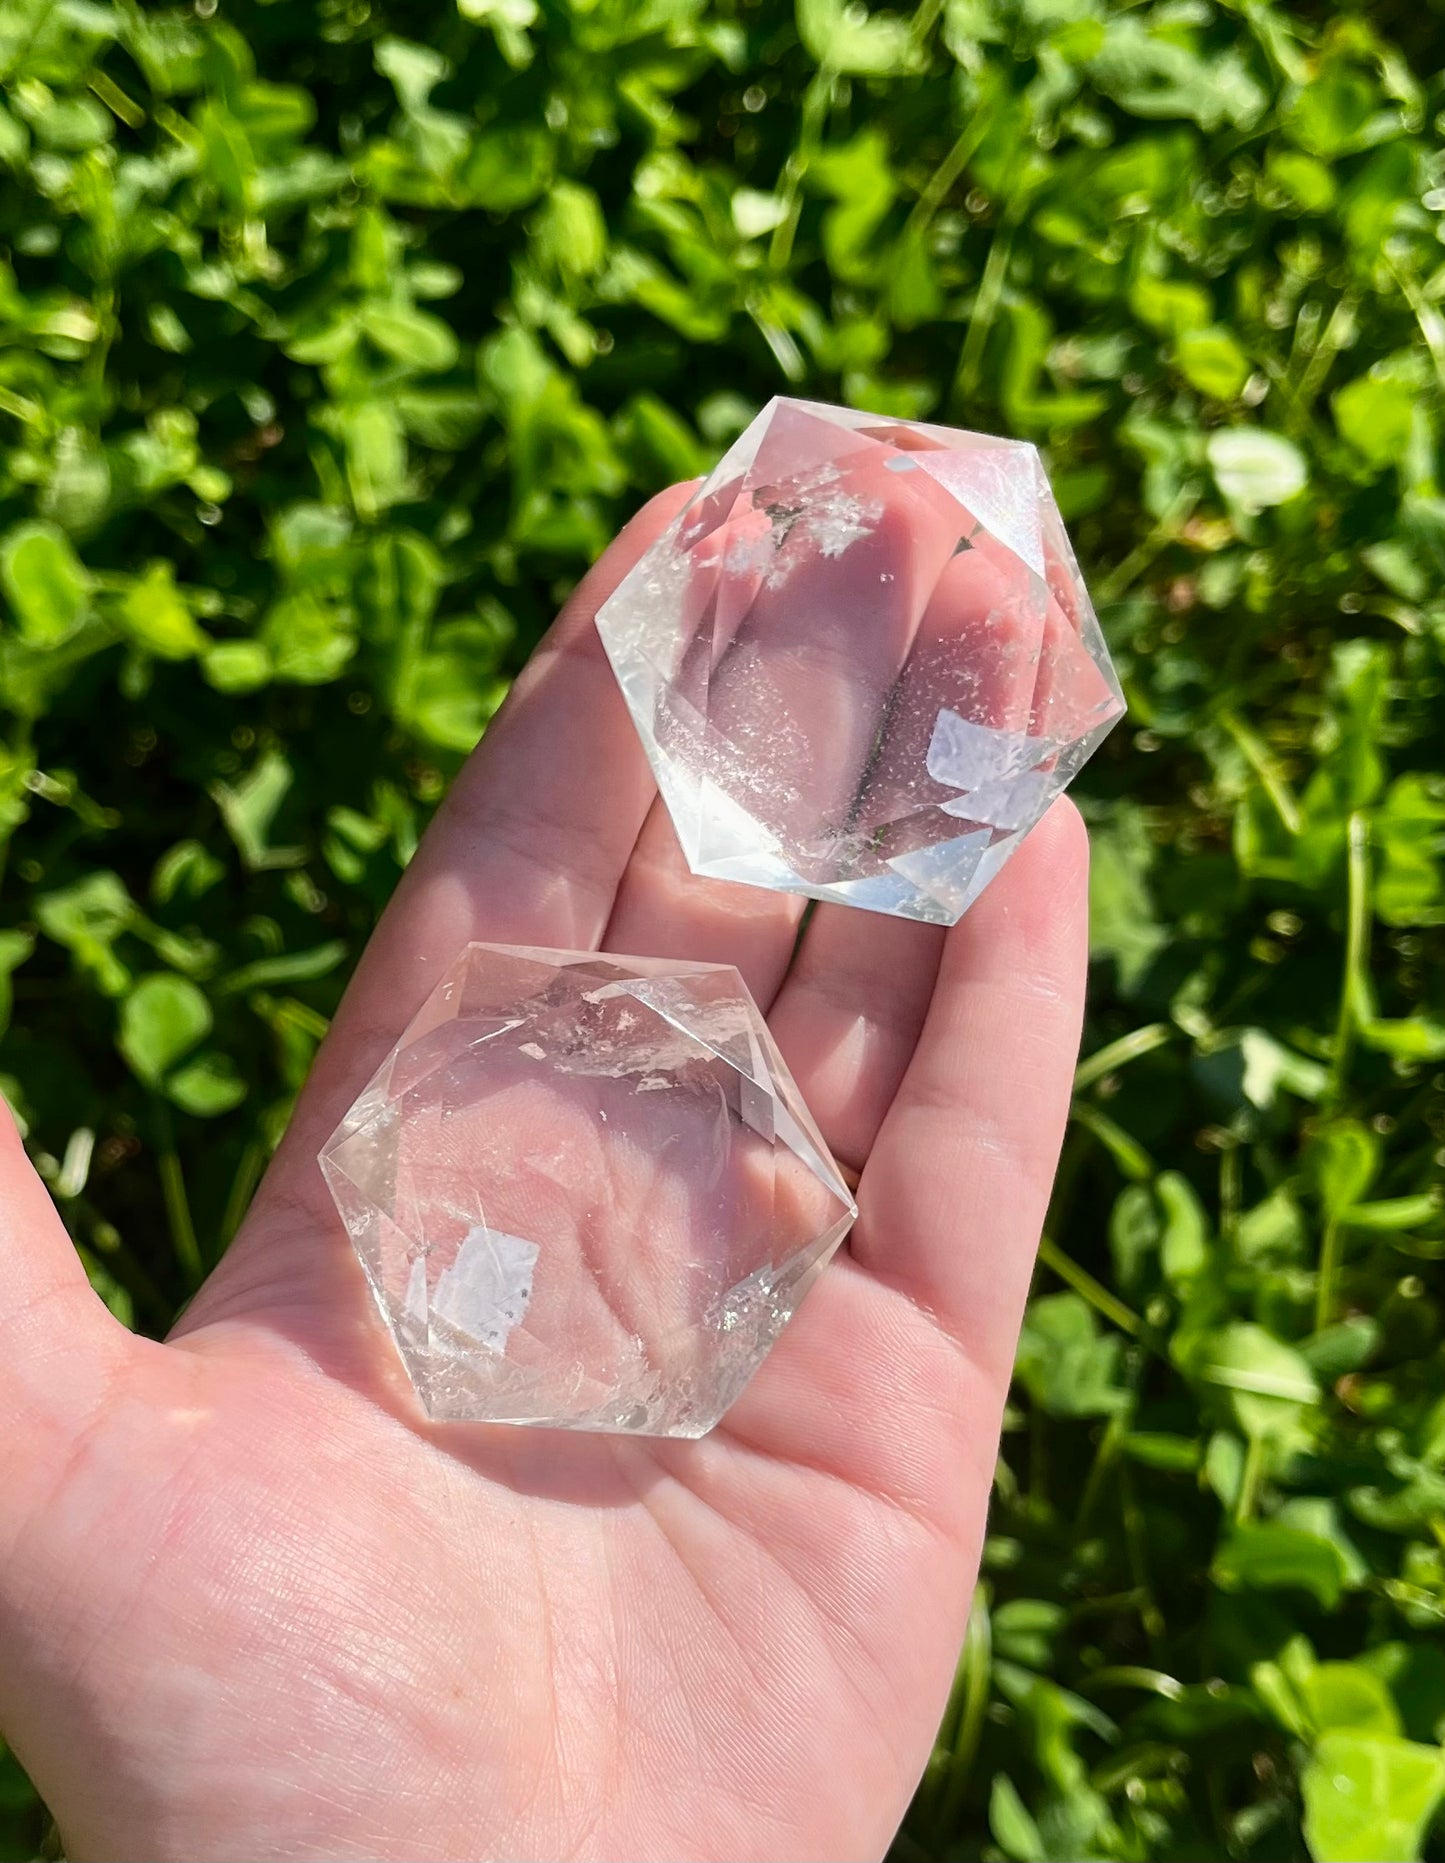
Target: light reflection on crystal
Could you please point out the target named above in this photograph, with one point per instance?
(585, 1192)
(843, 606)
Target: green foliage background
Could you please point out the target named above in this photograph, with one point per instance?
(336, 336)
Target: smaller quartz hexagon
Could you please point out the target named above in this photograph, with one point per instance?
(586, 1191)
(862, 660)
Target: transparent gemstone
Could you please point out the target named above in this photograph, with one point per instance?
(862, 660)
(586, 1191)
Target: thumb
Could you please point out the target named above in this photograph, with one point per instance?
(58, 1345)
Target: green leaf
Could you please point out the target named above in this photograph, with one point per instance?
(237, 665)
(285, 967)
(569, 231)
(1409, 830)
(1393, 1213)
(186, 871)
(1175, 307)
(249, 809)
(1254, 468)
(1124, 923)
(456, 686)
(1184, 1240)
(15, 948)
(1343, 1161)
(1414, 1673)
(1342, 1695)
(444, 418)
(1177, 1455)
(1309, 183)
(1370, 1799)
(413, 337)
(1264, 1556)
(306, 639)
(1381, 197)
(45, 583)
(1255, 1068)
(1271, 1233)
(1319, 1515)
(508, 168)
(515, 367)
(1015, 1831)
(1267, 1383)
(1331, 111)
(1161, 75)
(375, 455)
(1135, 1228)
(152, 614)
(1336, 1351)
(207, 1086)
(96, 907)
(859, 178)
(508, 20)
(1063, 1362)
(414, 70)
(88, 917)
(846, 37)
(161, 1021)
(1407, 1038)
(660, 441)
(1376, 413)
(1212, 361)
(755, 213)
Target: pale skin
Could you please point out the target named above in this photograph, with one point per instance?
(253, 1605)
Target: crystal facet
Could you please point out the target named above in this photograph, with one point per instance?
(862, 660)
(586, 1191)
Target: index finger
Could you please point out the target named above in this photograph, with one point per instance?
(527, 849)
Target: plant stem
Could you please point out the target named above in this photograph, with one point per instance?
(1231, 1177)
(1328, 1274)
(1257, 755)
(1104, 1458)
(924, 20)
(1116, 1054)
(1150, 1616)
(1132, 1675)
(816, 99)
(1432, 324)
(976, 1670)
(177, 1204)
(1250, 1477)
(1357, 950)
(985, 307)
(1122, 577)
(1125, 1150)
(243, 1188)
(1331, 342)
(936, 189)
(1083, 1283)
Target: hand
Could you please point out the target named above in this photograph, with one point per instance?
(253, 1605)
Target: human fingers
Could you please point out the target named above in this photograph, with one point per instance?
(953, 1199)
(848, 1017)
(527, 849)
(58, 1344)
(799, 592)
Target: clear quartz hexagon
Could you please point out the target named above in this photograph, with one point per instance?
(586, 1191)
(862, 660)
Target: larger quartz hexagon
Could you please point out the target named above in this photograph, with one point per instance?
(585, 1191)
(862, 660)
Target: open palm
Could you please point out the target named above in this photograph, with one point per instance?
(253, 1605)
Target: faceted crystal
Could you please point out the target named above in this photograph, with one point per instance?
(862, 660)
(585, 1191)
